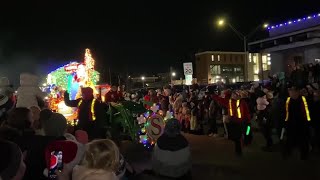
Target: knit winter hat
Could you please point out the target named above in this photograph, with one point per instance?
(72, 153)
(55, 126)
(10, 155)
(82, 136)
(172, 128)
(45, 114)
(87, 92)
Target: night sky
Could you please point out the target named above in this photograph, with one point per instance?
(138, 37)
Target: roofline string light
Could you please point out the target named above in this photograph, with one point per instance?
(295, 21)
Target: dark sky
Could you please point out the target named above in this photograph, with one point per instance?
(135, 36)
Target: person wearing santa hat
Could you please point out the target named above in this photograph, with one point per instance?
(91, 113)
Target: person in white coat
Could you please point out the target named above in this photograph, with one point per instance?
(29, 93)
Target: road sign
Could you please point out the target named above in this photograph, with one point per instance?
(187, 68)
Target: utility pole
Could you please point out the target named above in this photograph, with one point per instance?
(110, 78)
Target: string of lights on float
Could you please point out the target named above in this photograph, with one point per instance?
(294, 21)
(152, 125)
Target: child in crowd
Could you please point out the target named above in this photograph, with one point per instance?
(101, 161)
(193, 118)
(185, 117)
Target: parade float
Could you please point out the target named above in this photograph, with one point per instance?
(142, 125)
(71, 77)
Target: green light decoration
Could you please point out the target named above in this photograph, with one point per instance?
(62, 78)
(69, 82)
(122, 113)
(248, 130)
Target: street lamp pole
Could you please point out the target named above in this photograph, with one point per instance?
(142, 79)
(241, 36)
(244, 37)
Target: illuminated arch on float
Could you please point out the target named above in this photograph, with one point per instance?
(71, 77)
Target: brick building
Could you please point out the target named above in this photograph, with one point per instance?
(228, 67)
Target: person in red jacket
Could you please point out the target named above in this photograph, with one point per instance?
(112, 95)
(239, 117)
(151, 97)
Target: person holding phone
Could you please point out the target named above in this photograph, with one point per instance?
(61, 157)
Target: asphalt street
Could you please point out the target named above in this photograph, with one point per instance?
(214, 159)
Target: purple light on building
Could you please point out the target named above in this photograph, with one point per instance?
(300, 20)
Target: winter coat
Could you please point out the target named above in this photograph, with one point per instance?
(178, 103)
(171, 156)
(29, 93)
(112, 96)
(243, 106)
(148, 98)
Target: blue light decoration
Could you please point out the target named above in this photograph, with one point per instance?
(294, 21)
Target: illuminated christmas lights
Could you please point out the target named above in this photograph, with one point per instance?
(295, 21)
(71, 78)
(149, 121)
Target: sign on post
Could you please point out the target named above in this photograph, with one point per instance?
(187, 68)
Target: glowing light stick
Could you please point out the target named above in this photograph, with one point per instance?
(282, 133)
(248, 130)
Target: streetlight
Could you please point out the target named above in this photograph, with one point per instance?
(143, 78)
(221, 22)
(243, 37)
(173, 74)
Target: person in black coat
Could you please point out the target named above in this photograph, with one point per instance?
(297, 123)
(91, 113)
(315, 115)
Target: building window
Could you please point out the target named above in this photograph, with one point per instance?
(250, 59)
(212, 57)
(218, 57)
(266, 63)
(254, 59)
(215, 69)
(255, 69)
(264, 59)
(255, 77)
(238, 70)
(227, 69)
(264, 67)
